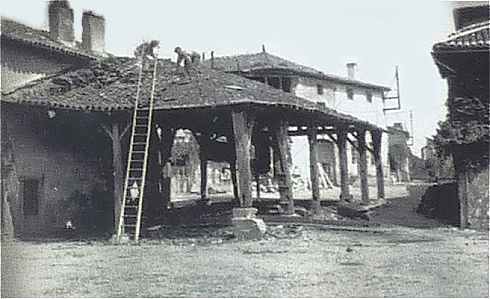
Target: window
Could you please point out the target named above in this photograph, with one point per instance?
(319, 89)
(31, 197)
(274, 82)
(286, 84)
(350, 93)
(369, 97)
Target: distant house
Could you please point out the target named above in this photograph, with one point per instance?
(347, 95)
(462, 60)
(399, 152)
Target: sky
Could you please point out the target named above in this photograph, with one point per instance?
(377, 35)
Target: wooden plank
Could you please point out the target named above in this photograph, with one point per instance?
(376, 135)
(344, 166)
(242, 124)
(314, 170)
(363, 170)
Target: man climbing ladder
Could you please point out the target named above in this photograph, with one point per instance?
(132, 202)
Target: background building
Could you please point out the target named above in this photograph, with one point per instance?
(462, 60)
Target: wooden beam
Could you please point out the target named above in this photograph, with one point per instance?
(363, 170)
(330, 135)
(344, 166)
(126, 129)
(380, 184)
(314, 171)
(243, 123)
(107, 130)
(281, 150)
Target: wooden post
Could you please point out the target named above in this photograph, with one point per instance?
(204, 173)
(242, 128)
(314, 171)
(234, 181)
(281, 150)
(363, 170)
(257, 182)
(376, 135)
(166, 144)
(344, 170)
(117, 164)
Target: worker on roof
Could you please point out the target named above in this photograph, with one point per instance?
(146, 50)
(188, 59)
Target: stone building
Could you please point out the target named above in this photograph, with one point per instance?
(462, 59)
(32, 161)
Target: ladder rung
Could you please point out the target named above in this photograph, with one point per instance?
(134, 178)
(131, 216)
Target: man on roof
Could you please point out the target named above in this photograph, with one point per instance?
(146, 50)
(187, 58)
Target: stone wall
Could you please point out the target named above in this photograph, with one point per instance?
(66, 159)
(477, 200)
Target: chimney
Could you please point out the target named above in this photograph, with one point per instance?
(93, 32)
(60, 16)
(351, 70)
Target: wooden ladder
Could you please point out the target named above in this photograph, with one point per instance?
(132, 202)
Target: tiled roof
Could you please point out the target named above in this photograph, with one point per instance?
(263, 61)
(110, 84)
(475, 36)
(16, 31)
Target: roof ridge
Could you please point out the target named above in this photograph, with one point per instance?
(468, 30)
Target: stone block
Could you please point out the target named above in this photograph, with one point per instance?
(246, 226)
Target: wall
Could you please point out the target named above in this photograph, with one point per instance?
(70, 170)
(477, 199)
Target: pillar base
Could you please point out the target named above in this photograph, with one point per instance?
(245, 224)
(316, 206)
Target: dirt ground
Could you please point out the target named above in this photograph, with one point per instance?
(406, 256)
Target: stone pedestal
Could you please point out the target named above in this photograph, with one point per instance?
(245, 224)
